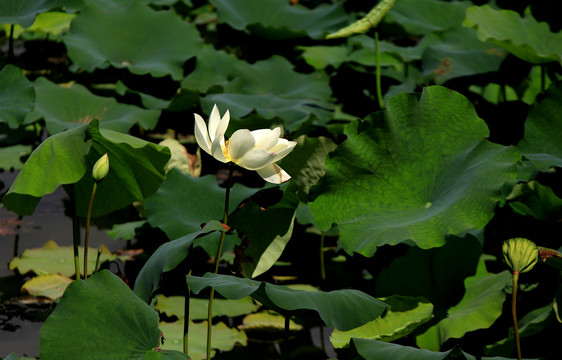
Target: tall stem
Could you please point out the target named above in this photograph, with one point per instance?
(286, 340)
(217, 260)
(86, 237)
(11, 45)
(186, 319)
(322, 266)
(75, 231)
(514, 313)
(378, 71)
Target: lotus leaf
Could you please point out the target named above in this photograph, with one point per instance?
(525, 38)
(542, 142)
(92, 314)
(54, 259)
(267, 321)
(336, 308)
(23, 11)
(130, 37)
(51, 286)
(277, 19)
(68, 107)
(224, 338)
(10, 157)
(418, 171)
(17, 96)
(198, 308)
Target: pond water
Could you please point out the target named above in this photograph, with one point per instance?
(20, 317)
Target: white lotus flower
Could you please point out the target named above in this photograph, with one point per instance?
(253, 150)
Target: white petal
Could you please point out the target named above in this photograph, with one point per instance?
(240, 143)
(223, 125)
(274, 174)
(214, 121)
(266, 138)
(283, 150)
(255, 159)
(216, 149)
(201, 135)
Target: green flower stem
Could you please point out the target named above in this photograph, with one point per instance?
(75, 231)
(514, 313)
(217, 260)
(86, 237)
(378, 71)
(322, 266)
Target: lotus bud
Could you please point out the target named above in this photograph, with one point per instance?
(101, 168)
(520, 254)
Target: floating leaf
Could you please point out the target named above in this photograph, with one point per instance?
(367, 22)
(525, 38)
(10, 157)
(183, 203)
(92, 314)
(17, 96)
(166, 258)
(267, 321)
(54, 259)
(418, 171)
(68, 107)
(480, 307)
(51, 286)
(265, 231)
(120, 37)
(542, 142)
(421, 17)
(52, 23)
(198, 308)
(405, 314)
(337, 308)
(278, 19)
(224, 338)
(23, 11)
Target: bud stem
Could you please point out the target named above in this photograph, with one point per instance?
(87, 235)
(514, 313)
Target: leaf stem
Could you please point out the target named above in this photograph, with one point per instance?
(322, 265)
(378, 71)
(75, 231)
(217, 259)
(87, 236)
(186, 319)
(514, 313)
(286, 341)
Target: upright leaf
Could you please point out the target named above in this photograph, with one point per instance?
(418, 171)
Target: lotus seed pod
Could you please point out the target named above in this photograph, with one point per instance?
(101, 168)
(520, 254)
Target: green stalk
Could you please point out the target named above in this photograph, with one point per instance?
(322, 266)
(514, 313)
(75, 231)
(378, 71)
(86, 238)
(98, 257)
(217, 260)
(11, 45)
(186, 319)
(286, 341)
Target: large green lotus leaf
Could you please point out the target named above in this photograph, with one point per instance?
(54, 259)
(418, 171)
(305, 163)
(420, 17)
(278, 19)
(320, 57)
(23, 11)
(376, 349)
(439, 275)
(10, 157)
(536, 200)
(480, 307)
(460, 53)
(17, 96)
(101, 318)
(51, 24)
(131, 37)
(364, 49)
(183, 203)
(405, 314)
(67, 107)
(59, 160)
(338, 309)
(198, 308)
(224, 338)
(166, 258)
(287, 95)
(136, 170)
(265, 230)
(542, 142)
(524, 37)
